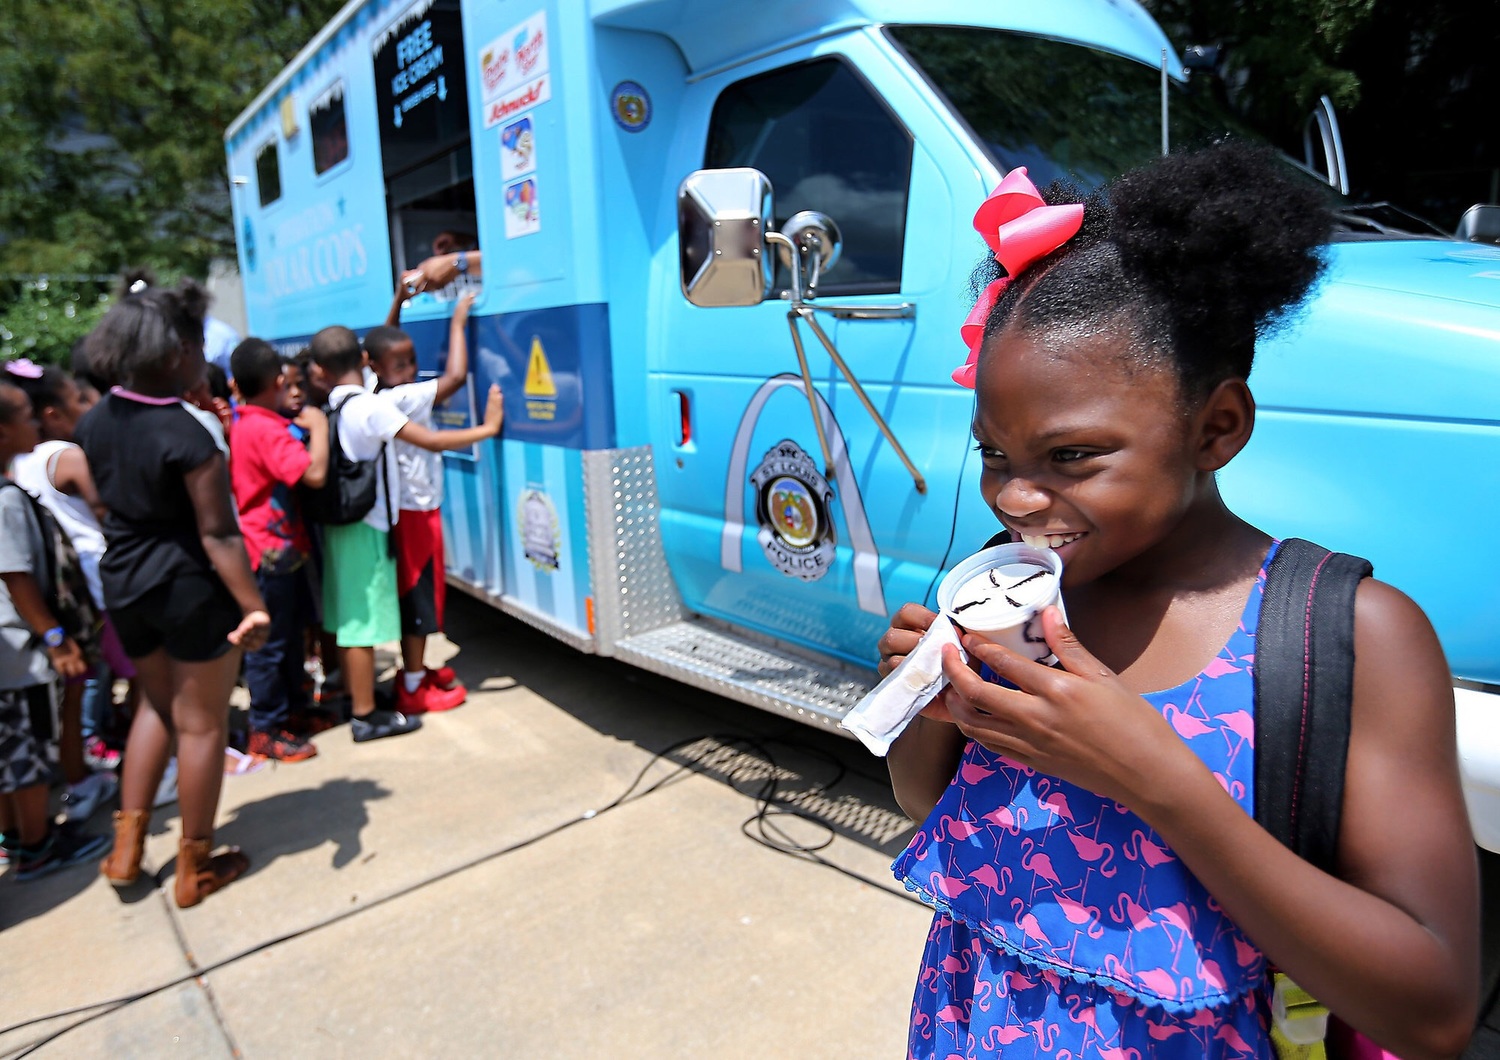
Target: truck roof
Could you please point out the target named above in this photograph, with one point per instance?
(701, 31)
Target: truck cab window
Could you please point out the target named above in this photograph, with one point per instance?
(268, 173)
(1064, 111)
(330, 130)
(828, 143)
(422, 100)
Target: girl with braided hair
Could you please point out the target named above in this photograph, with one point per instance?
(1101, 887)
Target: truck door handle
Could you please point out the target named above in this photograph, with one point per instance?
(901, 311)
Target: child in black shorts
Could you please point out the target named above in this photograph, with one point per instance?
(176, 577)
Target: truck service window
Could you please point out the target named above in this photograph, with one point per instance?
(268, 173)
(1063, 111)
(828, 143)
(422, 101)
(330, 131)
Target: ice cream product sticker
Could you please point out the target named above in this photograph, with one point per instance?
(522, 214)
(517, 149)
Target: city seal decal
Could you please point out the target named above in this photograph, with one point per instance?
(792, 507)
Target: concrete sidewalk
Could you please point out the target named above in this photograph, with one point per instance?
(451, 892)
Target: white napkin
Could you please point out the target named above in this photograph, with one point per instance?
(890, 706)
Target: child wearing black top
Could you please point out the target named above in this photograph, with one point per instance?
(176, 577)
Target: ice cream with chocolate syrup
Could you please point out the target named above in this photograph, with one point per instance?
(1000, 593)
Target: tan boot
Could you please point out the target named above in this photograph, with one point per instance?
(200, 875)
(123, 865)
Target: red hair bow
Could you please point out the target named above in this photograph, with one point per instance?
(1020, 228)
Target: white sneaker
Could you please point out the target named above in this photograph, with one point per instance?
(79, 801)
(166, 792)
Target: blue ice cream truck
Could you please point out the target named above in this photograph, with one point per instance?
(723, 254)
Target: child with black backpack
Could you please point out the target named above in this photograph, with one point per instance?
(357, 507)
(1090, 836)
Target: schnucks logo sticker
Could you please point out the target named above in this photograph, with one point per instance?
(631, 105)
(792, 502)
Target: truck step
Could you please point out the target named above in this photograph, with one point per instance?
(763, 674)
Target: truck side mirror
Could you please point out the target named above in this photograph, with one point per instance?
(1479, 224)
(722, 219)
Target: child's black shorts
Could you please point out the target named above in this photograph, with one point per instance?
(190, 616)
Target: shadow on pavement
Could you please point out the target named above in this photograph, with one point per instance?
(294, 821)
(831, 782)
(20, 902)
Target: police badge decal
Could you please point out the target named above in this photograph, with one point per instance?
(792, 507)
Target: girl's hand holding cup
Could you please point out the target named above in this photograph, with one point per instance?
(1078, 722)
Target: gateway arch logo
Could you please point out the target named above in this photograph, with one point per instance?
(796, 533)
(794, 503)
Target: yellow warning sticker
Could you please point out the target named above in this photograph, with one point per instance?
(539, 373)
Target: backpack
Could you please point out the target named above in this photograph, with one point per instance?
(1304, 685)
(348, 493)
(65, 589)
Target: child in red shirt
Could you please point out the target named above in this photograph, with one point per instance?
(266, 464)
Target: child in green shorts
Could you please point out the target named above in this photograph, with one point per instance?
(359, 578)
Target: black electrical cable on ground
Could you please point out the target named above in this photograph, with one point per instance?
(769, 804)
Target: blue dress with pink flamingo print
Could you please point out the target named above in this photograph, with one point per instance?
(1065, 926)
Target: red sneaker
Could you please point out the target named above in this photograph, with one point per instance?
(444, 677)
(282, 746)
(428, 698)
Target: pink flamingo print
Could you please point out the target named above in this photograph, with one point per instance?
(953, 965)
(1236, 788)
(1245, 954)
(1212, 974)
(947, 886)
(1008, 819)
(1162, 1031)
(1114, 1053)
(1028, 924)
(1117, 971)
(1178, 917)
(1012, 981)
(1219, 668)
(995, 1037)
(1187, 726)
(1203, 1017)
(1145, 850)
(1126, 909)
(1038, 863)
(1044, 1040)
(958, 829)
(1093, 850)
(996, 882)
(1161, 983)
(1242, 725)
(1078, 913)
(952, 1014)
(1082, 1010)
(1053, 801)
(983, 988)
(973, 772)
(1232, 1038)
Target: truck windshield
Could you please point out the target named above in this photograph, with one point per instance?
(1063, 111)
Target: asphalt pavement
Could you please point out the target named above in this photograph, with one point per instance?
(566, 866)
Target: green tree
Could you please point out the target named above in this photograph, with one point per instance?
(113, 116)
(1278, 56)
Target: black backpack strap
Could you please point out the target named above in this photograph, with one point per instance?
(1304, 685)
